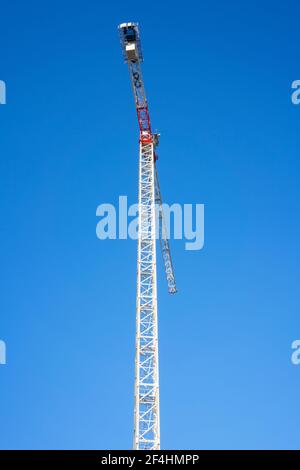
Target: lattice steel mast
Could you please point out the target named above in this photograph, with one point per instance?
(146, 411)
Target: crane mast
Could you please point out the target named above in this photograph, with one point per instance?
(146, 406)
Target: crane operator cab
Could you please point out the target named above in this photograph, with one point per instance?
(129, 34)
(130, 40)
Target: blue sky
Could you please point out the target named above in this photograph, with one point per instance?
(218, 78)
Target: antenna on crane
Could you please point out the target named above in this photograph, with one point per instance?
(146, 408)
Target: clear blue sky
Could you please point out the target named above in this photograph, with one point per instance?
(218, 77)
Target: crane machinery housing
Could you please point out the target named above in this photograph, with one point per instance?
(146, 406)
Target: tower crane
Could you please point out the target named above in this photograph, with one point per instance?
(146, 406)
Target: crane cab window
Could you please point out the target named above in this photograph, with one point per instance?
(130, 35)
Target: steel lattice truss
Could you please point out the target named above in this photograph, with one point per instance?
(146, 432)
(146, 410)
(163, 238)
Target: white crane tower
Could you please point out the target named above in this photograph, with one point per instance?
(146, 408)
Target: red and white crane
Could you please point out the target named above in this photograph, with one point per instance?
(146, 410)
